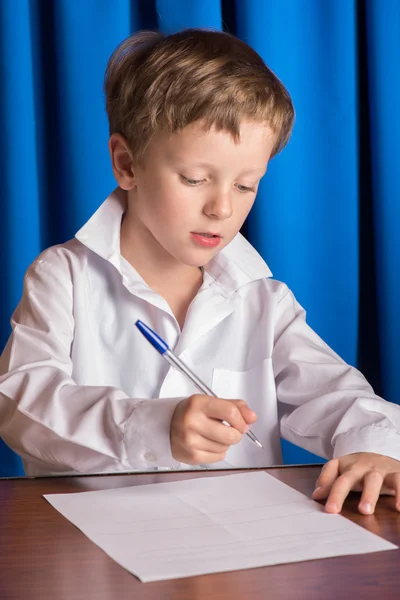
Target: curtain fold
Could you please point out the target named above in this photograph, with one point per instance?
(383, 53)
(305, 221)
(327, 213)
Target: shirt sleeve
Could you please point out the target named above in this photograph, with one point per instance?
(49, 419)
(325, 405)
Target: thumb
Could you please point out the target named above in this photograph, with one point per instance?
(248, 415)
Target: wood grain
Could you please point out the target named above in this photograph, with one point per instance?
(44, 557)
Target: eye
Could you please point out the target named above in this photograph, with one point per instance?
(192, 182)
(244, 189)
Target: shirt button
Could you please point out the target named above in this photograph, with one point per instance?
(150, 456)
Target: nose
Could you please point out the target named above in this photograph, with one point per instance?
(219, 206)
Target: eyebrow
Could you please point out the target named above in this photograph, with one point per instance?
(260, 172)
(255, 172)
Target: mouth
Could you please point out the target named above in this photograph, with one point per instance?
(206, 239)
(207, 234)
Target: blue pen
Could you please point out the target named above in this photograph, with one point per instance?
(173, 360)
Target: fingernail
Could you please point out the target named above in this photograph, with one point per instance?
(246, 428)
(366, 507)
(317, 490)
(331, 507)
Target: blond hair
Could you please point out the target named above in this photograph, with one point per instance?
(163, 83)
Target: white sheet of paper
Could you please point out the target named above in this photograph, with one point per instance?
(211, 524)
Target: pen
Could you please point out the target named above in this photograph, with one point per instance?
(162, 347)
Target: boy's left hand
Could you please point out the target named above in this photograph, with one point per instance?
(373, 474)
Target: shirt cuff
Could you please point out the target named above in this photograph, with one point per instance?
(378, 440)
(147, 434)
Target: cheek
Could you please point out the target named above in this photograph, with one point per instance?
(242, 209)
(167, 204)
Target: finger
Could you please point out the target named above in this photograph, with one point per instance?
(227, 410)
(247, 413)
(203, 458)
(200, 443)
(371, 489)
(387, 491)
(220, 433)
(200, 425)
(329, 474)
(392, 481)
(340, 490)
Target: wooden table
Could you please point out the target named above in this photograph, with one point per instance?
(43, 556)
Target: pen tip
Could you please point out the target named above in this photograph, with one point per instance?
(259, 444)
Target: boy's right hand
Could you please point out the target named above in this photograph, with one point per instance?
(197, 433)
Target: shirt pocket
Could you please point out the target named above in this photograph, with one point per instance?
(257, 387)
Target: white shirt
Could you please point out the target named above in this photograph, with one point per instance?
(81, 390)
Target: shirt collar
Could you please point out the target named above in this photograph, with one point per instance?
(237, 264)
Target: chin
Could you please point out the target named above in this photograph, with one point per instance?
(195, 263)
(195, 260)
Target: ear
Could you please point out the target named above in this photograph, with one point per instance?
(122, 161)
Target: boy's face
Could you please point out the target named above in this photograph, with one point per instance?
(194, 190)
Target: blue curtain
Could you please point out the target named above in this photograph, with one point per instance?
(327, 214)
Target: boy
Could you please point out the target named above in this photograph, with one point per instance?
(194, 119)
